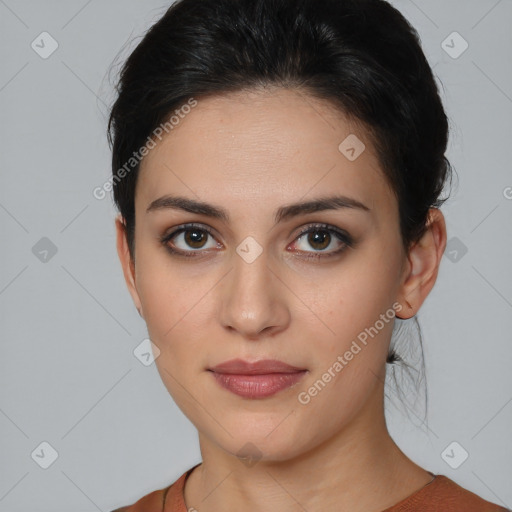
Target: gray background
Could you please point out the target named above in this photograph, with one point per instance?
(68, 373)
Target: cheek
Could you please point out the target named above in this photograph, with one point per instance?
(349, 368)
(351, 302)
(173, 314)
(167, 291)
(356, 309)
(172, 306)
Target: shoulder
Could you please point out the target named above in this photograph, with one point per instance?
(445, 495)
(152, 502)
(170, 497)
(463, 499)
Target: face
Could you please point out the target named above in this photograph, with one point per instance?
(305, 288)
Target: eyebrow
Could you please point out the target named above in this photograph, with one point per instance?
(286, 212)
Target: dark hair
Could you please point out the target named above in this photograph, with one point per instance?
(360, 55)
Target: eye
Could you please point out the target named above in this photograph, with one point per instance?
(322, 236)
(189, 236)
(193, 239)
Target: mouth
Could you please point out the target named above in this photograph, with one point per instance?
(259, 379)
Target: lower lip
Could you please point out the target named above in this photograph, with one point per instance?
(257, 386)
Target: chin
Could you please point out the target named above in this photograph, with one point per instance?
(257, 445)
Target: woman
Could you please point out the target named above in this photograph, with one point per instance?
(278, 166)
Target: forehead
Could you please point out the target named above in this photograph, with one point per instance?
(255, 148)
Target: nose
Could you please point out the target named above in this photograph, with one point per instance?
(253, 302)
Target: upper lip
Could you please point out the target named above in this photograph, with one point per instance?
(262, 367)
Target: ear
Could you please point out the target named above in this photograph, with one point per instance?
(127, 263)
(420, 271)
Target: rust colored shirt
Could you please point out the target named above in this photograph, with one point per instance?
(439, 495)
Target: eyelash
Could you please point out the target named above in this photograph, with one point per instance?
(343, 237)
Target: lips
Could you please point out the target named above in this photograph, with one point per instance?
(259, 379)
(262, 367)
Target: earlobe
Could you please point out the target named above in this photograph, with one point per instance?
(422, 266)
(126, 261)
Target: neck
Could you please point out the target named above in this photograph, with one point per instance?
(359, 469)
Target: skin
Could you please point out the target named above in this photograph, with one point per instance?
(251, 153)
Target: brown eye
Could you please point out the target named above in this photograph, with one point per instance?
(195, 238)
(189, 239)
(320, 237)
